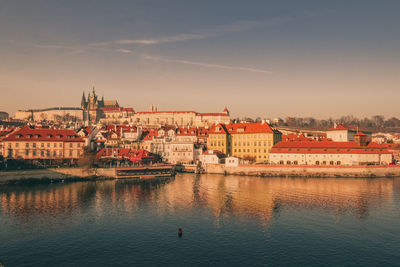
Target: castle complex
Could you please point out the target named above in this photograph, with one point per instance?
(92, 107)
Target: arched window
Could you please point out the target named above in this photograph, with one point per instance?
(338, 163)
(317, 162)
(288, 162)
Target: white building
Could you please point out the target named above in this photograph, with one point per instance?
(232, 162)
(212, 157)
(345, 133)
(329, 153)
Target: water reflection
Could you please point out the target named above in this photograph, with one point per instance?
(260, 198)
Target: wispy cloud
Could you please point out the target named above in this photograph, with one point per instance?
(46, 46)
(125, 51)
(238, 26)
(205, 65)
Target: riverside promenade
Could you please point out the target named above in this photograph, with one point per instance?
(306, 171)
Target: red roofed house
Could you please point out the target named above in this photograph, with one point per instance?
(330, 153)
(139, 156)
(33, 143)
(345, 133)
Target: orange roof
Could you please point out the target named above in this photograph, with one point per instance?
(218, 129)
(251, 127)
(192, 131)
(43, 134)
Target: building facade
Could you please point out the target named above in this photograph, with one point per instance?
(329, 153)
(252, 141)
(345, 133)
(40, 144)
(155, 118)
(50, 114)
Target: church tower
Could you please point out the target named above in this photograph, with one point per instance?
(83, 102)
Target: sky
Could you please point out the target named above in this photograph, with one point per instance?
(257, 58)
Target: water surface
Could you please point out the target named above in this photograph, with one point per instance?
(226, 221)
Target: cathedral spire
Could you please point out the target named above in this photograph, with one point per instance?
(83, 102)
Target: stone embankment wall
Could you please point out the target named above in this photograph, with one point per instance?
(305, 171)
(56, 174)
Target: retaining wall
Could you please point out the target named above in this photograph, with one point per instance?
(306, 171)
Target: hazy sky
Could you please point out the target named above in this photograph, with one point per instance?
(258, 58)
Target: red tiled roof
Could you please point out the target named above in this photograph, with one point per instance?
(295, 137)
(218, 129)
(186, 131)
(251, 127)
(327, 147)
(28, 134)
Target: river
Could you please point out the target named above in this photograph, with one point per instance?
(226, 221)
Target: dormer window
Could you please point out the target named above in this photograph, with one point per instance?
(19, 135)
(49, 136)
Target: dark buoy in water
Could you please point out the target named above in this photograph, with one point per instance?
(180, 232)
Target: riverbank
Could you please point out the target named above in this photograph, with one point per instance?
(51, 175)
(305, 171)
(54, 175)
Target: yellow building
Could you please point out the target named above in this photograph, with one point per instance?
(219, 139)
(252, 141)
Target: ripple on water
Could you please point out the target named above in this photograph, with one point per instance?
(226, 220)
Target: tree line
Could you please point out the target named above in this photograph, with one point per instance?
(374, 123)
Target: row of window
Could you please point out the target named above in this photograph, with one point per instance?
(27, 145)
(48, 153)
(255, 143)
(295, 162)
(248, 150)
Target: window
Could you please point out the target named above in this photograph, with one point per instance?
(16, 144)
(27, 145)
(33, 153)
(48, 144)
(54, 153)
(331, 163)
(55, 144)
(317, 162)
(70, 153)
(42, 153)
(79, 144)
(60, 144)
(70, 144)
(48, 153)
(288, 162)
(27, 152)
(42, 144)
